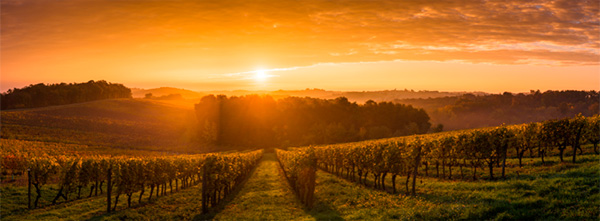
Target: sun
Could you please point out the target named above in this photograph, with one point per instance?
(260, 75)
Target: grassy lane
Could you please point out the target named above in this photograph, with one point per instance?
(265, 196)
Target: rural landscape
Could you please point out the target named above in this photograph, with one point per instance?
(319, 110)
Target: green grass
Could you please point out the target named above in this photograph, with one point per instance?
(182, 204)
(266, 195)
(14, 205)
(14, 198)
(557, 192)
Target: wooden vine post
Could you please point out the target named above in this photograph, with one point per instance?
(205, 187)
(108, 188)
(29, 188)
(416, 169)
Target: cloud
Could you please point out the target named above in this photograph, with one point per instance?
(293, 33)
(558, 30)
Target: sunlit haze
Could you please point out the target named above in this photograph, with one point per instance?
(261, 75)
(491, 46)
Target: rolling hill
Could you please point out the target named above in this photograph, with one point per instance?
(164, 91)
(353, 96)
(133, 124)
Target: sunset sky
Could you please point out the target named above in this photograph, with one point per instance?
(460, 45)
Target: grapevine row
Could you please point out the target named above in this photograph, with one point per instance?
(299, 167)
(477, 148)
(219, 174)
(396, 158)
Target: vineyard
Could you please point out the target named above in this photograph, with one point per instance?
(468, 150)
(219, 174)
(299, 110)
(546, 168)
(491, 149)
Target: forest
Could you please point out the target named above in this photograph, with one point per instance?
(474, 111)
(254, 120)
(42, 95)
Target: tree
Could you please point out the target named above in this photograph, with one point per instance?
(438, 128)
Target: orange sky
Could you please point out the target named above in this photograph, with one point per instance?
(466, 45)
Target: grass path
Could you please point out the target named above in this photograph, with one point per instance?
(265, 196)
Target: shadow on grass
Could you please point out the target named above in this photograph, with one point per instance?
(369, 183)
(323, 211)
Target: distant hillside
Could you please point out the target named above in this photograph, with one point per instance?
(472, 111)
(116, 123)
(353, 96)
(363, 96)
(166, 91)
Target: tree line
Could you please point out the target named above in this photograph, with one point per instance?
(42, 95)
(262, 121)
(475, 111)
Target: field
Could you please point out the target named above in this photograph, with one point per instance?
(106, 125)
(131, 133)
